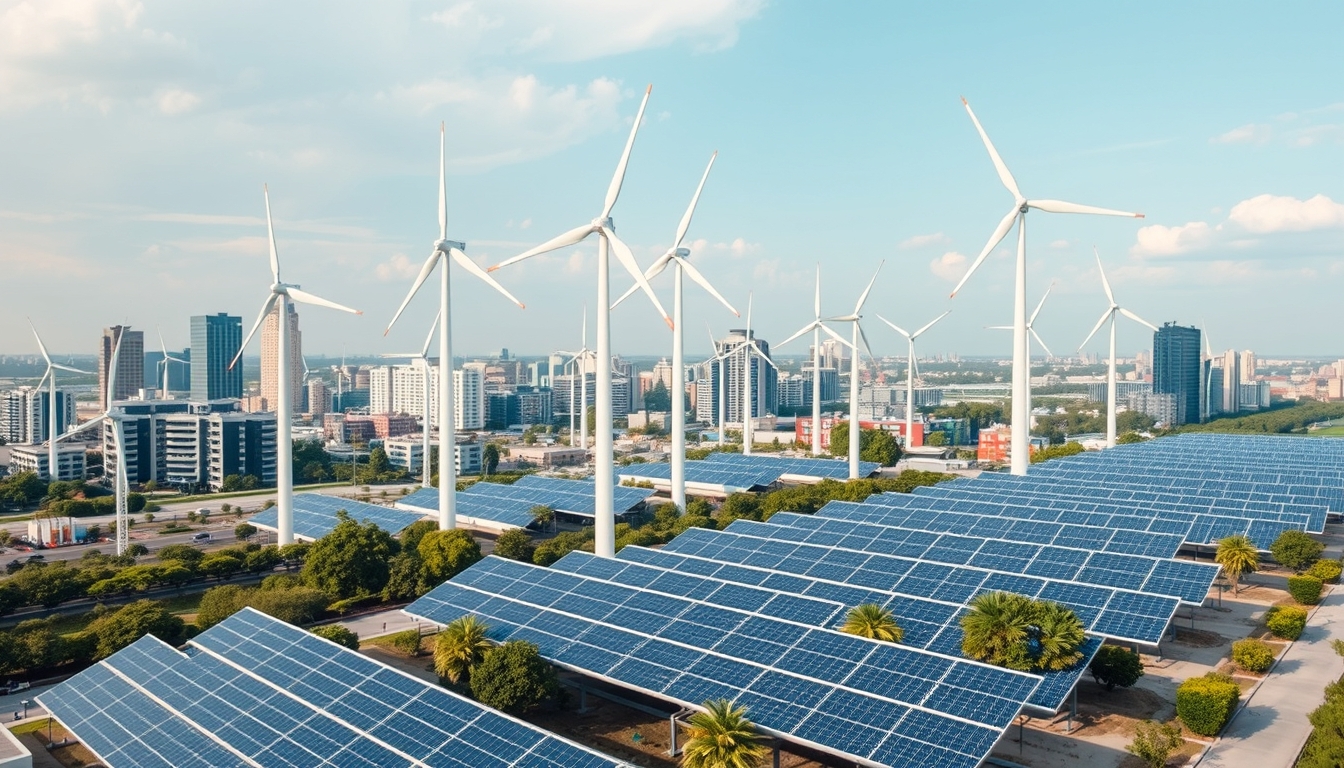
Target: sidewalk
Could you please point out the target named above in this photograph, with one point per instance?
(1269, 731)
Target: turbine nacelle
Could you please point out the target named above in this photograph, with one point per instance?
(447, 246)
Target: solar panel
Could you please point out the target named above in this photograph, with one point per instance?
(255, 691)
(509, 512)
(315, 515)
(795, 467)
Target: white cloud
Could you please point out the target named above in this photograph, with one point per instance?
(177, 101)
(1059, 245)
(737, 248)
(919, 241)
(951, 266)
(399, 267)
(1251, 133)
(1159, 240)
(1264, 214)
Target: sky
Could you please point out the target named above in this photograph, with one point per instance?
(135, 138)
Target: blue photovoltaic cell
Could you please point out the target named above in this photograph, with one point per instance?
(315, 515)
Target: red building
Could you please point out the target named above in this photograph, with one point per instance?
(996, 444)
(802, 429)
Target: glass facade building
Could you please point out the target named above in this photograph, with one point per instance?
(215, 339)
(1177, 369)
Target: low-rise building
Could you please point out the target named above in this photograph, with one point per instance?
(70, 464)
(547, 456)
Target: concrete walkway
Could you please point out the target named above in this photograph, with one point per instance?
(1271, 728)
(382, 623)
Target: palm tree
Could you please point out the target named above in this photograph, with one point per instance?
(541, 515)
(1059, 634)
(1238, 556)
(873, 622)
(722, 737)
(997, 629)
(460, 647)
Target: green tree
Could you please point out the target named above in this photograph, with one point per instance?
(378, 464)
(874, 444)
(132, 622)
(1057, 452)
(236, 483)
(936, 438)
(1129, 438)
(220, 565)
(1115, 666)
(1238, 556)
(873, 622)
(296, 605)
(1016, 632)
(413, 533)
(47, 585)
(185, 554)
(658, 399)
(489, 459)
(1296, 550)
(244, 531)
(219, 603)
(722, 737)
(542, 515)
(447, 553)
(136, 550)
(351, 561)
(338, 635)
(459, 647)
(739, 506)
(513, 677)
(1154, 742)
(515, 544)
(405, 576)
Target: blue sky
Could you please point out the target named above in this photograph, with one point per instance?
(135, 138)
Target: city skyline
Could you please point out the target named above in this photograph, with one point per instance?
(1241, 183)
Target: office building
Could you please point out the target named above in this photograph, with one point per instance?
(319, 400)
(408, 454)
(24, 418)
(1253, 396)
(1213, 390)
(1161, 407)
(1096, 391)
(1177, 369)
(179, 374)
(270, 351)
(764, 396)
(1247, 366)
(191, 445)
(70, 463)
(469, 399)
(1231, 392)
(130, 363)
(215, 340)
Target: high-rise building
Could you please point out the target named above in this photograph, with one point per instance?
(1177, 368)
(179, 374)
(191, 445)
(1231, 394)
(24, 418)
(764, 380)
(318, 398)
(270, 350)
(469, 394)
(1247, 366)
(215, 340)
(130, 363)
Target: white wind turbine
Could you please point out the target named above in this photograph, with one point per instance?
(1031, 323)
(119, 482)
(1021, 417)
(167, 359)
(720, 358)
(817, 327)
(750, 348)
(910, 372)
(604, 449)
(1110, 314)
(426, 410)
(578, 360)
(50, 378)
(443, 250)
(857, 336)
(278, 298)
(679, 256)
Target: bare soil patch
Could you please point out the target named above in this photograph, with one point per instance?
(1101, 711)
(1198, 638)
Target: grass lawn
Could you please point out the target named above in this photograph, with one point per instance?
(31, 726)
(1327, 432)
(185, 605)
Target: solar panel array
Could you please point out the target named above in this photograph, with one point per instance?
(810, 468)
(885, 703)
(514, 512)
(736, 472)
(512, 504)
(254, 691)
(315, 515)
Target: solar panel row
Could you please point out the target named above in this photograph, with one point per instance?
(315, 515)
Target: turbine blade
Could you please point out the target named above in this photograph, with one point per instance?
(929, 325)
(443, 187)
(998, 327)
(112, 367)
(1104, 282)
(863, 337)
(805, 329)
(1059, 206)
(90, 424)
(1032, 321)
(713, 343)
(162, 347)
(1037, 337)
(627, 260)
(827, 330)
(614, 190)
(1104, 317)
(560, 241)
(816, 302)
(864, 296)
(757, 350)
(1004, 175)
(265, 310)
(42, 347)
(653, 271)
(270, 234)
(477, 270)
(695, 275)
(750, 296)
(894, 327)
(1136, 318)
(60, 367)
(690, 211)
(43, 381)
(420, 279)
(429, 339)
(1000, 232)
(305, 297)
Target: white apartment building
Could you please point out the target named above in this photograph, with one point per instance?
(33, 458)
(191, 444)
(408, 453)
(23, 414)
(401, 389)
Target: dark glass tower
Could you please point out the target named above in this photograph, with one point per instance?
(214, 341)
(1177, 368)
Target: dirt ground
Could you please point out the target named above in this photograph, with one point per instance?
(72, 755)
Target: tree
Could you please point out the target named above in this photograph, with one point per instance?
(513, 677)
(132, 622)
(338, 635)
(658, 399)
(351, 561)
(1154, 742)
(149, 518)
(489, 459)
(411, 534)
(873, 622)
(459, 647)
(218, 604)
(182, 553)
(244, 531)
(722, 737)
(1057, 452)
(1296, 550)
(1238, 556)
(542, 515)
(936, 438)
(235, 483)
(1129, 438)
(1115, 666)
(220, 565)
(296, 605)
(875, 445)
(447, 553)
(378, 464)
(405, 576)
(1016, 632)
(739, 505)
(137, 550)
(515, 544)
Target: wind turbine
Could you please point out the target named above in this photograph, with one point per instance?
(1031, 323)
(1110, 314)
(603, 455)
(443, 250)
(422, 358)
(720, 358)
(817, 327)
(579, 360)
(678, 255)
(278, 298)
(167, 358)
(1021, 418)
(50, 375)
(749, 348)
(856, 336)
(119, 482)
(910, 372)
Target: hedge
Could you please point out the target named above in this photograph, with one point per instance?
(1306, 590)
(1286, 621)
(1253, 655)
(1327, 571)
(1205, 704)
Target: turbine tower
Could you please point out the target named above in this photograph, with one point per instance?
(817, 327)
(167, 359)
(422, 358)
(720, 358)
(910, 372)
(119, 483)
(604, 522)
(679, 256)
(750, 348)
(443, 250)
(579, 360)
(279, 297)
(1021, 418)
(1110, 314)
(857, 336)
(50, 378)
(1031, 323)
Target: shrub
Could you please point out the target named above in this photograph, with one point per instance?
(1115, 666)
(1286, 621)
(1306, 590)
(1295, 549)
(513, 677)
(339, 635)
(515, 545)
(1327, 571)
(1252, 655)
(1205, 704)
(1154, 742)
(406, 641)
